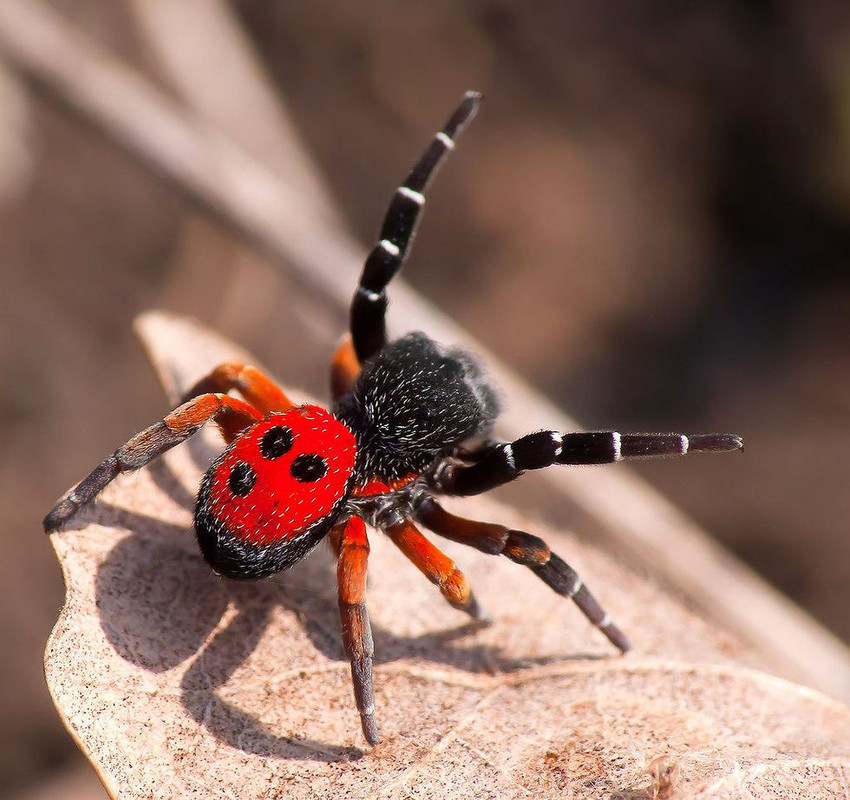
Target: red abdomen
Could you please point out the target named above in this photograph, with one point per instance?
(275, 492)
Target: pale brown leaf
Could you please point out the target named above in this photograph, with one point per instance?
(177, 683)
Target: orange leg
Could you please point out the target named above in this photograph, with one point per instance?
(437, 567)
(174, 428)
(344, 368)
(335, 537)
(356, 630)
(256, 387)
(523, 548)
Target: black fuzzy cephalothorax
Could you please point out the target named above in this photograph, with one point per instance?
(414, 402)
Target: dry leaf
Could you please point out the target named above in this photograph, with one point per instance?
(177, 683)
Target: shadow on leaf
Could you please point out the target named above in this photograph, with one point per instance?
(159, 604)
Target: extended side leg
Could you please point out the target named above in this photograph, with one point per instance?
(525, 549)
(438, 568)
(369, 304)
(174, 428)
(353, 547)
(501, 463)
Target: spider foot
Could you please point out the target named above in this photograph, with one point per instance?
(59, 515)
(475, 610)
(564, 580)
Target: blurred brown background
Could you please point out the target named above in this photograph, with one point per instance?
(650, 221)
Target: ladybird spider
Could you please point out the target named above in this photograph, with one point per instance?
(404, 412)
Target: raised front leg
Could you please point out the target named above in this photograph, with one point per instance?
(525, 549)
(502, 463)
(369, 305)
(174, 428)
(353, 546)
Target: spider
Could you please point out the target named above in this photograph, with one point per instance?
(410, 421)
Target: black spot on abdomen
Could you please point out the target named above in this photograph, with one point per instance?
(242, 479)
(276, 442)
(308, 467)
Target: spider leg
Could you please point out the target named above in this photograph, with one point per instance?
(369, 305)
(500, 463)
(525, 549)
(353, 547)
(172, 429)
(335, 537)
(345, 367)
(437, 567)
(255, 386)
